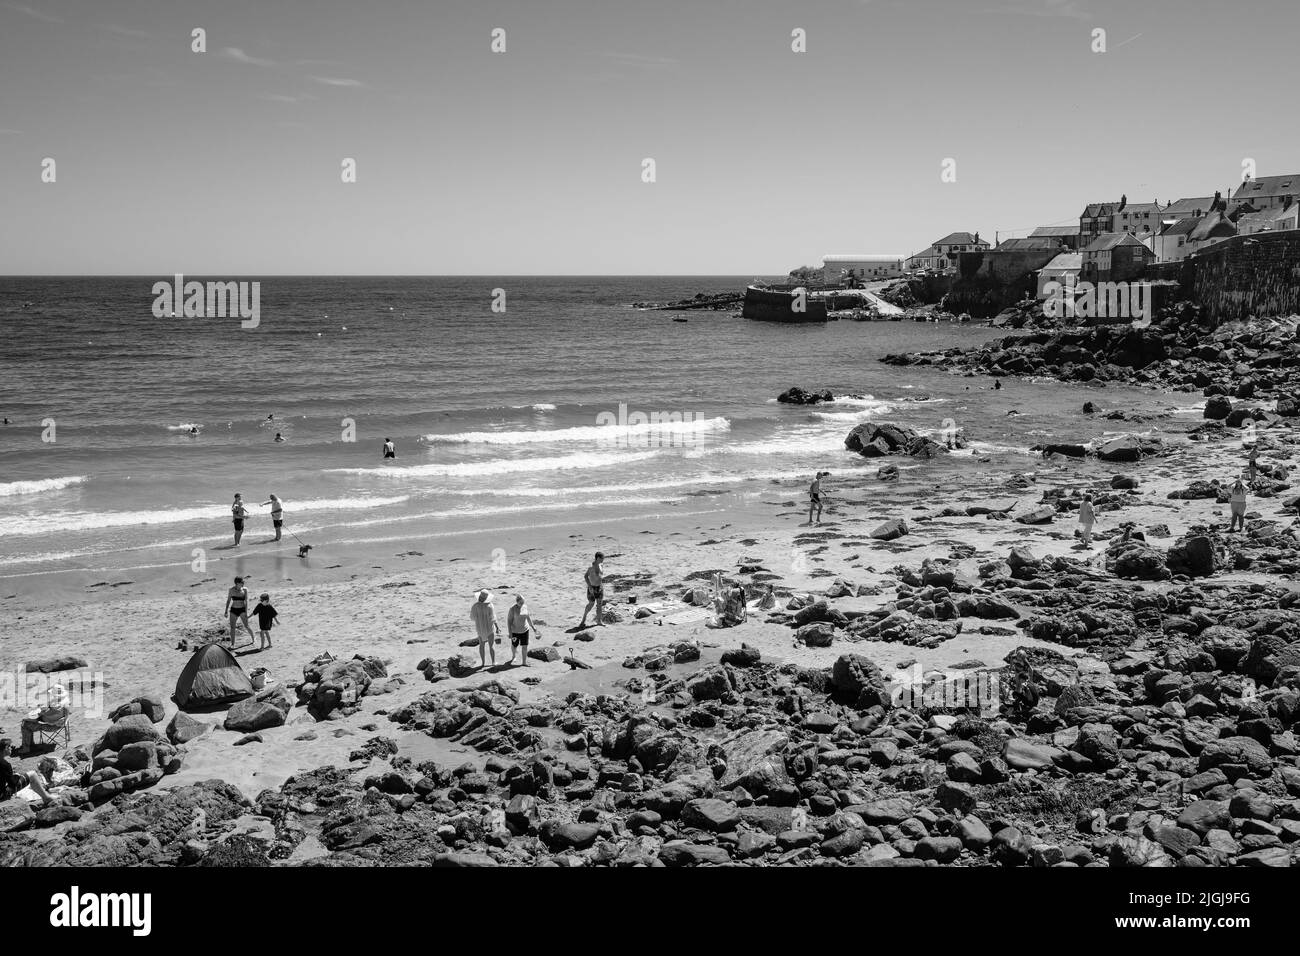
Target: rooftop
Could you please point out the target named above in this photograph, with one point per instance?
(1114, 240)
(958, 239)
(1070, 230)
(1267, 186)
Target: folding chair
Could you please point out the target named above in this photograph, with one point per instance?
(50, 733)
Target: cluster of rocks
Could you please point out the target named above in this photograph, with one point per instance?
(1180, 753)
(1179, 350)
(799, 396)
(878, 439)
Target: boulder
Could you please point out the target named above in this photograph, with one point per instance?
(252, 714)
(858, 682)
(1194, 556)
(130, 729)
(1021, 754)
(890, 530)
(183, 728)
(1218, 407)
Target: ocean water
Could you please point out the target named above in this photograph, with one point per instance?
(569, 407)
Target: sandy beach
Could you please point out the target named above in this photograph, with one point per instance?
(413, 607)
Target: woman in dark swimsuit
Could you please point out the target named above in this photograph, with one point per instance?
(237, 609)
(237, 514)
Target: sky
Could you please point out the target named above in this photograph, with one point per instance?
(229, 162)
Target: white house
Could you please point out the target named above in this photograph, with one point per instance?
(863, 268)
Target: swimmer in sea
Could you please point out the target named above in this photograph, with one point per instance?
(194, 432)
(279, 437)
(997, 384)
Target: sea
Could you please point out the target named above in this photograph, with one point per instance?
(517, 406)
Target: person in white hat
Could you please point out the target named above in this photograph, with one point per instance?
(55, 711)
(484, 616)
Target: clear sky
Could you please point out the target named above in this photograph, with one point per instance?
(530, 161)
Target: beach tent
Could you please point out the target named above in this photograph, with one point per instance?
(211, 677)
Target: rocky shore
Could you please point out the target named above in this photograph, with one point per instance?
(945, 679)
(1179, 349)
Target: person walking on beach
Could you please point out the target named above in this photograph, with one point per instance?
(237, 609)
(1252, 466)
(277, 514)
(390, 450)
(266, 615)
(595, 578)
(238, 513)
(815, 496)
(484, 616)
(520, 624)
(1237, 502)
(1087, 515)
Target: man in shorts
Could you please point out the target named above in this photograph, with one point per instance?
(277, 515)
(520, 624)
(816, 496)
(484, 616)
(595, 578)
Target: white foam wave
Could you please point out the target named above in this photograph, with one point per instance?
(184, 427)
(38, 485)
(95, 520)
(599, 433)
(472, 469)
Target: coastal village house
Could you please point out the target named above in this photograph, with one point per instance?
(927, 260)
(1269, 192)
(952, 245)
(1140, 218)
(865, 268)
(1193, 208)
(1097, 219)
(1180, 238)
(1065, 269)
(1270, 220)
(1115, 257)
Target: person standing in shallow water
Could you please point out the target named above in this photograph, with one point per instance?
(390, 450)
(1237, 502)
(277, 515)
(237, 514)
(1087, 515)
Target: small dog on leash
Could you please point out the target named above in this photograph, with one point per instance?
(303, 549)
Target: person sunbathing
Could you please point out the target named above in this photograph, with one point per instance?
(12, 782)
